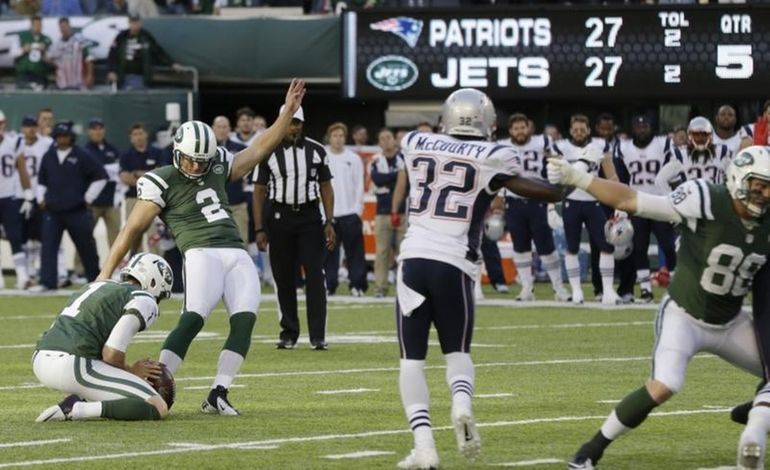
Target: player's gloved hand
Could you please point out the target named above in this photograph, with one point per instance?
(620, 215)
(395, 220)
(28, 205)
(561, 172)
(554, 219)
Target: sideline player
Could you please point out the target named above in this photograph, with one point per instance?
(725, 241)
(190, 197)
(453, 178)
(84, 351)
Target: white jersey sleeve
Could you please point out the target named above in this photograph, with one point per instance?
(150, 187)
(144, 306)
(746, 131)
(692, 200)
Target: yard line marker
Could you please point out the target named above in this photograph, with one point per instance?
(16, 346)
(324, 437)
(17, 387)
(207, 387)
(608, 401)
(358, 455)
(351, 390)
(33, 443)
(493, 395)
(527, 463)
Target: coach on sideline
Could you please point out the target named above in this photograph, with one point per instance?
(295, 177)
(70, 179)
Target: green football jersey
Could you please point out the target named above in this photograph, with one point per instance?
(718, 253)
(196, 210)
(33, 61)
(84, 325)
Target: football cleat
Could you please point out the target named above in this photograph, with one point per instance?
(646, 296)
(218, 403)
(610, 298)
(527, 294)
(468, 439)
(586, 457)
(577, 296)
(750, 457)
(285, 344)
(740, 413)
(320, 345)
(580, 462)
(562, 295)
(60, 412)
(501, 288)
(420, 459)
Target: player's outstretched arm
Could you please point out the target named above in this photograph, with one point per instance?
(536, 189)
(612, 193)
(251, 156)
(140, 218)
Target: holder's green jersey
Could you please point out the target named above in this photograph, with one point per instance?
(718, 253)
(196, 210)
(84, 325)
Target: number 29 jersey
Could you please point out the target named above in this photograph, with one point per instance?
(718, 254)
(451, 182)
(196, 210)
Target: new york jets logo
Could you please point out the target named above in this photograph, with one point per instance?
(392, 73)
(179, 135)
(218, 169)
(743, 159)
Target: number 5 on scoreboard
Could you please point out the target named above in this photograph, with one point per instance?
(734, 61)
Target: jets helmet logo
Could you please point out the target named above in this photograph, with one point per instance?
(179, 135)
(743, 159)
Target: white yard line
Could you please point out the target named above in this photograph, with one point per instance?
(348, 391)
(325, 437)
(33, 443)
(493, 395)
(358, 455)
(527, 463)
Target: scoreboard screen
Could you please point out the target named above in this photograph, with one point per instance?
(559, 52)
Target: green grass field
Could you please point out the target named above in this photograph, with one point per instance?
(545, 380)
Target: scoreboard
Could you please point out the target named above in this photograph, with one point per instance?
(674, 52)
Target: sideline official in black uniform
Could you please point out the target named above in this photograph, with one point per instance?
(295, 177)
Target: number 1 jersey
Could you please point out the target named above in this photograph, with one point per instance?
(452, 182)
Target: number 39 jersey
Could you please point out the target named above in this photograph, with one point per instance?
(718, 254)
(196, 210)
(452, 182)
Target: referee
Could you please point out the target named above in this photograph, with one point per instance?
(294, 178)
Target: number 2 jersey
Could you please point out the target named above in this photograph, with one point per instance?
(452, 182)
(718, 253)
(84, 325)
(196, 211)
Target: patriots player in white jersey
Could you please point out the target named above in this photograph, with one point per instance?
(452, 178)
(643, 156)
(581, 208)
(703, 160)
(13, 173)
(527, 219)
(724, 129)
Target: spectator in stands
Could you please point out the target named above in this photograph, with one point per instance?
(30, 61)
(133, 55)
(245, 132)
(45, 121)
(348, 182)
(115, 7)
(142, 8)
(140, 158)
(388, 228)
(107, 205)
(260, 124)
(360, 135)
(62, 8)
(25, 7)
(72, 57)
(69, 181)
(235, 194)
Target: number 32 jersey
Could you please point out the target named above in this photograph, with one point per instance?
(718, 254)
(451, 182)
(196, 210)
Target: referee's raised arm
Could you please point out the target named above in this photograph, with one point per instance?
(263, 145)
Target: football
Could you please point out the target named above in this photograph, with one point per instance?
(165, 386)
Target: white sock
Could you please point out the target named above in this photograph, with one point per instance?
(552, 266)
(478, 294)
(460, 376)
(757, 426)
(228, 366)
(607, 270)
(523, 262)
(22, 275)
(171, 360)
(572, 263)
(643, 276)
(416, 401)
(61, 265)
(33, 256)
(86, 410)
(613, 428)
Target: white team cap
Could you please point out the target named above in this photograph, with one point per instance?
(300, 114)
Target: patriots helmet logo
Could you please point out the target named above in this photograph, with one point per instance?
(406, 28)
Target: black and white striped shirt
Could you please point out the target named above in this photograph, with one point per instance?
(292, 173)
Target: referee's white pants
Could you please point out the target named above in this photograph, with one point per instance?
(91, 379)
(211, 274)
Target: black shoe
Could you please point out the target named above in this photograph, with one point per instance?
(218, 403)
(285, 344)
(646, 296)
(740, 414)
(60, 412)
(320, 345)
(589, 454)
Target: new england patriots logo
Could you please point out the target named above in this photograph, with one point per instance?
(406, 28)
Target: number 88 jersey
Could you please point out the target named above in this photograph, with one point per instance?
(718, 254)
(451, 182)
(196, 210)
